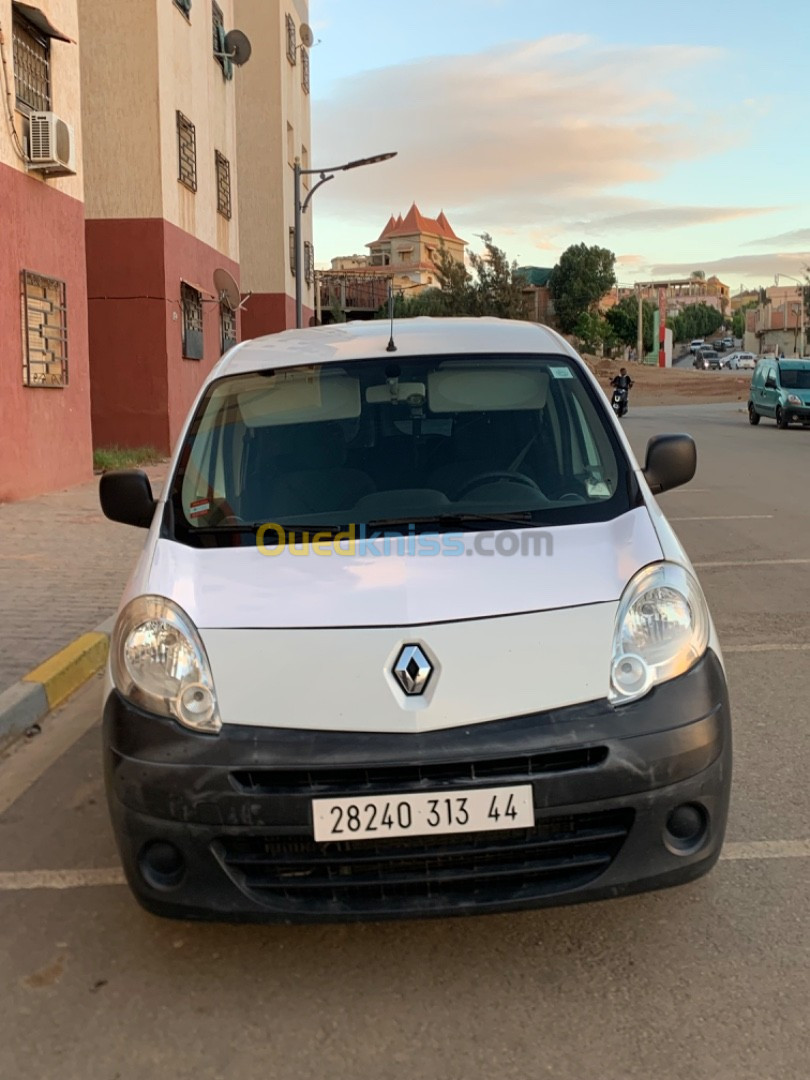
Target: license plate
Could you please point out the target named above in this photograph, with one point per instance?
(378, 816)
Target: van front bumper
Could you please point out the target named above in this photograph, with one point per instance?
(221, 827)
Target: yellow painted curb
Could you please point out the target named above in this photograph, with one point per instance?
(70, 667)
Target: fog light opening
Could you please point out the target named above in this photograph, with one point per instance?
(161, 864)
(687, 828)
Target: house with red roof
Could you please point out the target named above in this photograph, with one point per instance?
(406, 254)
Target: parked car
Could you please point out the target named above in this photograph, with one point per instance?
(719, 346)
(729, 342)
(780, 389)
(739, 361)
(695, 345)
(313, 711)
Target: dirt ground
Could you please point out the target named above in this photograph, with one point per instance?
(671, 386)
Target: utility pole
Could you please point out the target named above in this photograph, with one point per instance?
(640, 327)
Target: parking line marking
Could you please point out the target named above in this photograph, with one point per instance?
(749, 562)
(766, 849)
(24, 880)
(725, 517)
(775, 646)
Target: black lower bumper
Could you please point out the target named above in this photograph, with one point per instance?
(221, 828)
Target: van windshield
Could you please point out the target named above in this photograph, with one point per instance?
(795, 378)
(416, 443)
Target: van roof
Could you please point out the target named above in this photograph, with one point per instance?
(360, 340)
(795, 364)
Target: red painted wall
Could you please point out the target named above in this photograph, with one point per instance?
(267, 313)
(142, 387)
(45, 441)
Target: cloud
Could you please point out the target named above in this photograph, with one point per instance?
(528, 134)
(797, 237)
(631, 260)
(671, 217)
(763, 266)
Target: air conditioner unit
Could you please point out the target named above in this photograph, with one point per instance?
(51, 145)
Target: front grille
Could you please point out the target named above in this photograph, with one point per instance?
(394, 778)
(425, 873)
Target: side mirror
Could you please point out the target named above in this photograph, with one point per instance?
(671, 461)
(126, 496)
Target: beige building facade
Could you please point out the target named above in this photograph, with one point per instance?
(160, 166)
(273, 107)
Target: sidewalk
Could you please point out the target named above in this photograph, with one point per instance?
(63, 567)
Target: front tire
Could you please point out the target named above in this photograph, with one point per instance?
(781, 417)
(753, 415)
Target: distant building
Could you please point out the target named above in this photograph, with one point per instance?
(776, 325)
(539, 304)
(405, 254)
(684, 292)
(45, 439)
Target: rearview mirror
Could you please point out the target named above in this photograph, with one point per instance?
(126, 496)
(671, 461)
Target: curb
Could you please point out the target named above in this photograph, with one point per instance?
(28, 701)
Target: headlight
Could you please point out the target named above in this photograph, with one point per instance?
(794, 400)
(158, 661)
(662, 629)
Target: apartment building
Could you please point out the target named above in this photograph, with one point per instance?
(45, 440)
(273, 107)
(159, 112)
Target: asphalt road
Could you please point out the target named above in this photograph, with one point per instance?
(710, 981)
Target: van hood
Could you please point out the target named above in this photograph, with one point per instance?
(574, 565)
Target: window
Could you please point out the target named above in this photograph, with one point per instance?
(32, 63)
(44, 326)
(771, 378)
(227, 328)
(191, 302)
(292, 250)
(291, 51)
(223, 184)
(218, 32)
(185, 6)
(187, 152)
(309, 261)
(305, 70)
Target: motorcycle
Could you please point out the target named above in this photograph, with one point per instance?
(619, 401)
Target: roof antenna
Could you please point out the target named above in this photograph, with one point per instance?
(391, 347)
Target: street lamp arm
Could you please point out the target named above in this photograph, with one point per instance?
(320, 183)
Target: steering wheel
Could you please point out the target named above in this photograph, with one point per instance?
(497, 474)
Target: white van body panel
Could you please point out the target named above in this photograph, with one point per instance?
(484, 669)
(239, 588)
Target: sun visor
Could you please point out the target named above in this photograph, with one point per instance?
(303, 396)
(38, 19)
(459, 389)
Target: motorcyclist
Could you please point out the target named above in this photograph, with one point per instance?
(622, 381)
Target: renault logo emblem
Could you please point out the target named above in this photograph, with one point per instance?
(412, 670)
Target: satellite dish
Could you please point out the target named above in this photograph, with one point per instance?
(227, 290)
(237, 47)
(307, 37)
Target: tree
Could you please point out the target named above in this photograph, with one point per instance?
(696, 320)
(623, 320)
(738, 318)
(579, 280)
(498, 291)
(495, 289)
(698, 275)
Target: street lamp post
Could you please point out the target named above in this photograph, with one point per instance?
(801, 307)
(301, 208)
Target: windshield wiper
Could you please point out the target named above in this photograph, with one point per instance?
(253, 527)
(510, 518)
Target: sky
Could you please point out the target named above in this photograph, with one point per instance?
(674, 134)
